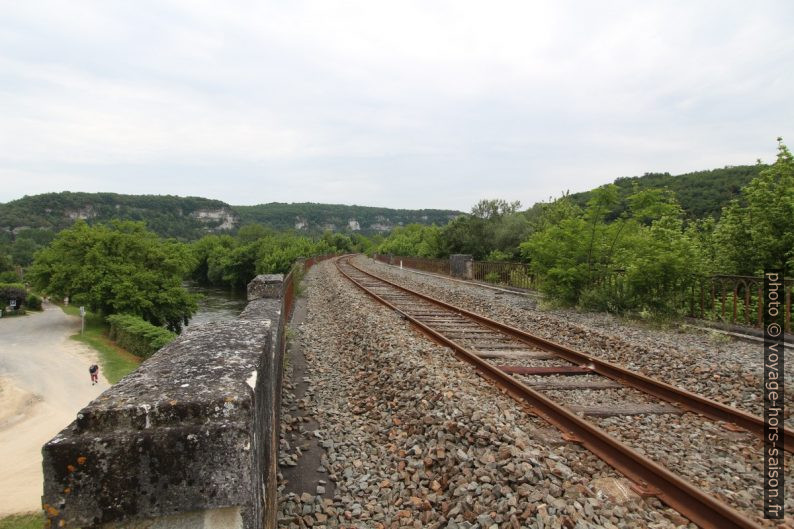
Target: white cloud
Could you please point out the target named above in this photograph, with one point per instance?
(410, 104)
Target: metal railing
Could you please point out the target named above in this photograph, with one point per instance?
(508, 274)
(296, 272)
(436, 266)
(723, 298)
(500, 273)
(735, 300)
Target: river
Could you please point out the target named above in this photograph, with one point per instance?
(217, 304)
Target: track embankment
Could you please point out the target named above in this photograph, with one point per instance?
(709, 364)
(414, 438)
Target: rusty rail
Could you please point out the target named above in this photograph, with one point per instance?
(691, 401)
(698, 506)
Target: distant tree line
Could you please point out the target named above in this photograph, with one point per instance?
(630, 228)
(337, 217)
(233, 261)
(123, 268)
(169, 216)
(700, 194)
(641, 233)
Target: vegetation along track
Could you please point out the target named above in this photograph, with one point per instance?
(507, 356)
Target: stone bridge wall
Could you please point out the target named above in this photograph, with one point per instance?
(190, 439)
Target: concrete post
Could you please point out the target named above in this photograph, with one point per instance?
(461, 266)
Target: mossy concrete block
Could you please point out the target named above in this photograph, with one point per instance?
(188, 431)
(265, 286)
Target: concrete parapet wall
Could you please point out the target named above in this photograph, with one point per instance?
(187, 440)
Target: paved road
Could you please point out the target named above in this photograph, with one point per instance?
(44, 382)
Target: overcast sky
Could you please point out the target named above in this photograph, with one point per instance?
(399, 104)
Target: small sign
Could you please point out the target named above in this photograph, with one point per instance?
(13, 304)
(82, 311)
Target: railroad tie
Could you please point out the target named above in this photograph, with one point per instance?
(542, 371)
(595, 384)
(625, 409)
(534, 355)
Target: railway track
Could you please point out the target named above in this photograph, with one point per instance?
(531, 369)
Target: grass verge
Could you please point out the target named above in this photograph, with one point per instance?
(34, 520)
(114, 361)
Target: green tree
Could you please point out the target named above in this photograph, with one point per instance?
(770, 208)
(414, 239)
(493, 208)
(22, 251)
(627, 263)
(253, 232)
(203, 249)
(118, 268)
(761, 234)
(466, 234)
(731, 238)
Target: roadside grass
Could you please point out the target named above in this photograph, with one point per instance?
(115, 361)
(34, 520)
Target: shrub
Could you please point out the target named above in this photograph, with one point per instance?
(519, 278)
(492, 277)
(33, 302)
(137, 335)
(9, 291)
(8, 277)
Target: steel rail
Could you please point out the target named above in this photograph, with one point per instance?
(691, 401)
(700, 507)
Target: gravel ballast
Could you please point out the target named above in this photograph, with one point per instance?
(709, 364)
(413, 438)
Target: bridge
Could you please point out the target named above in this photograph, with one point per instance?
(191, 439)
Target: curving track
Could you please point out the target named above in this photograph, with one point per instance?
(505, 354)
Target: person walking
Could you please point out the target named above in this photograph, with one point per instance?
(94, 370)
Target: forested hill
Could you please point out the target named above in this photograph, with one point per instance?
(336, 217)
(701, 193)
(170, 216)
(188, 218)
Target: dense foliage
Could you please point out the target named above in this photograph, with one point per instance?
(629, 246)
(317, 218)
(701, 194)
(234, 261)
(138, 336)
(189, 218)
(18, 250)
(9, 291)
(491, 232)
(633, 262)
(33, 302)
(166, 215)
(756, 230)
(118, 268)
